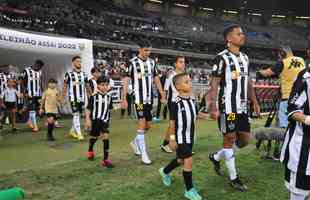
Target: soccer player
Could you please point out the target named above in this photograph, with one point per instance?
(32, 82)
(96, 73)
(183, 115)
(9, 98)
(76, 85)
(295, 150)
(98, 117)
(172, 93)
(143, 73)
(50, 100)
(230, 74)
(287, 69)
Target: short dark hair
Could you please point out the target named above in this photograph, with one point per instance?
(179, 57)
(103, 79)
(176, 79)
(76, 57)
(229, 29)
(39, 63)
(95, 69)
(144, 43)
(51, 80)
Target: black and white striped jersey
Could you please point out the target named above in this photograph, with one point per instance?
(100, 106)
(142, 75)
(184, 111)
(172, 92)
(76, 82)
(3, 82)
(93, 85)
(234, 73)
(20, 100)
(33, 81)
(295, 152)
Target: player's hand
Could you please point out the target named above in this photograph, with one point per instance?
(163, 100)
(256, 109)
(173, 145)
(215, 115)
(124, 104)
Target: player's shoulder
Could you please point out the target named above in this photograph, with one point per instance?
(244, 55)
(134, 59)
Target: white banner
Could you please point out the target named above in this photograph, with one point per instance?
(22, 49)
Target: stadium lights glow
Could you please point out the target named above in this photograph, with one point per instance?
(208, 9)
(302, 17)
(182, 5)
(156, 1)
(278, 16)
(230, 12)
(255, 14)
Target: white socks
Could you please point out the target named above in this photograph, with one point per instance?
(219, 155)
(33, 118)
(295, 196)
(230, 163)
(140, 141)
(76, 123)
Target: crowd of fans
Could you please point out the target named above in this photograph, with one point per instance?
(104, 21)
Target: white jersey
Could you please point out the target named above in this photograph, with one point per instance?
(170, 88)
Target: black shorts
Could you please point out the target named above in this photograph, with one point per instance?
(20, 106)
(10, 105)
(232, 122)
(34, 103)
(54, 115)
(144, 111)
(99, 127)
(171, 116)
(184, 151)
(77, 107)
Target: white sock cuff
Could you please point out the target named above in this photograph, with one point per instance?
(228, 153)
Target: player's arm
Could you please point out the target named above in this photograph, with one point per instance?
(159, 87)
(172, 141)
(125, 83)
(88, 87)
(252, 95)
(42, 103)
(65, 87)
(218, 73)
(24, 83)
(297, 101)
(88, 112)
(212, 96)
(271, 71)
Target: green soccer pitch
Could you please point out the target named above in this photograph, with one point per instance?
(64, 173)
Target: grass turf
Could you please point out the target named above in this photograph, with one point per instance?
(63, 172)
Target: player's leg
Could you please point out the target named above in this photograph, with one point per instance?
(243, 131)
(13, 119)
(94, 134)
(33, 114)
(75, 132)
(50, 127)
(106, 146)
(171, 127)
(243, 139)
(184, 151)
(295, 196)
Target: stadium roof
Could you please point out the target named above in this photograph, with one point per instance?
(300, 7)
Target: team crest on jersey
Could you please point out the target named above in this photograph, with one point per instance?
(234, 75)
(231, 125)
